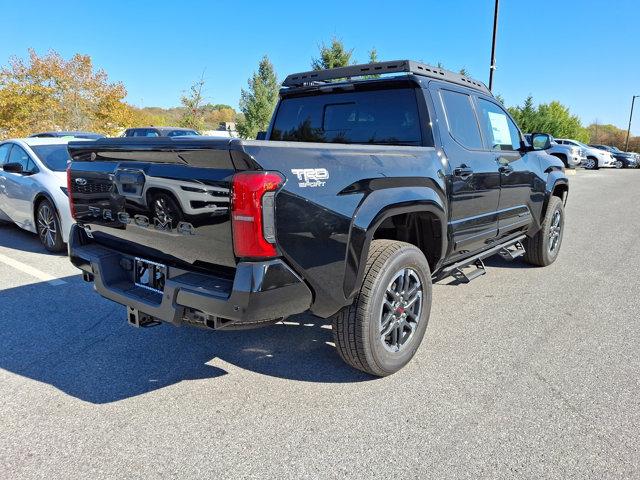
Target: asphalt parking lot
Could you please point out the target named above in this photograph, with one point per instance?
(524, 373)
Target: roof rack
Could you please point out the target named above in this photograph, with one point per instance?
(381, 68)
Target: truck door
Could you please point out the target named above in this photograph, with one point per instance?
(473, 178)
(516, 167)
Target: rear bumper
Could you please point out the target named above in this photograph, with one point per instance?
(259, 292)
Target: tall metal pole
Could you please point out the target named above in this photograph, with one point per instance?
(626, 144)
(492, 67)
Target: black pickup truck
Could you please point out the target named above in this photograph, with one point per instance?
(372, 182)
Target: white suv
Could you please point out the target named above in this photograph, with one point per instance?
(570, 155)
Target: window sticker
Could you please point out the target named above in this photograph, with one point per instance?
(500, 128)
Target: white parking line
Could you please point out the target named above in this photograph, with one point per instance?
(29, 270)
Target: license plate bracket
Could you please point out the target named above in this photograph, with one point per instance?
(149, 275)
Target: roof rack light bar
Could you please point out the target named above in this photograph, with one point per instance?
(381, 68)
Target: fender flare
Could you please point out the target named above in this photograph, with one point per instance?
(376, 208)
(555, 179)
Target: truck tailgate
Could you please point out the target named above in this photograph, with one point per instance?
(160, 198)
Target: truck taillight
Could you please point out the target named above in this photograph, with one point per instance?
(72, 206)
(252, 213)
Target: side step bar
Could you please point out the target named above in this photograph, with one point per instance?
(508, 250)
(509, 253)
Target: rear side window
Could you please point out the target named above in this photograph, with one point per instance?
(4, 152)
(461, 119)
(382, 117)
(499, 130)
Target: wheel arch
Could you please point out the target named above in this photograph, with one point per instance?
(557, 186)
(419, 212)
(37, 200)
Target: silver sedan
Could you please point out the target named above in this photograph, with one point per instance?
(33, 188)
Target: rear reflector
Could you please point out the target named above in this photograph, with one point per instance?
(72, 207)
(252, 213)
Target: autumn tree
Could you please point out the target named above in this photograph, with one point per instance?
(193, 114)
(52, 93)
(259, 100)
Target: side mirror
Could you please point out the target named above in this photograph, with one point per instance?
(261, 136)
(13, 167)
(540, 141)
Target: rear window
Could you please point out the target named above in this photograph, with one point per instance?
(55, 157)
(382, 117)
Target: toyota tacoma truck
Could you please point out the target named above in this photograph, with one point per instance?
(372, 182)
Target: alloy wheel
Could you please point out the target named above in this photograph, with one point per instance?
(47, 228)
(554, 231)
(618, 164)
(163, 210)
(401, 310)
(590, 163)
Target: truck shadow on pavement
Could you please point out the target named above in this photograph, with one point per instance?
(70, 338)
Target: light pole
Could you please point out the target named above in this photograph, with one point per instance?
(626, 144)
(492, 67)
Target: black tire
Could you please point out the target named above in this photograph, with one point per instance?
(538, 249)
(595, 164)
(164, 207)
(48, 227)
(357, 328)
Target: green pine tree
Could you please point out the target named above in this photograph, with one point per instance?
(259, 100)
(332, 56)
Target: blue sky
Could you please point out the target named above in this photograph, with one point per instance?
(584, 53)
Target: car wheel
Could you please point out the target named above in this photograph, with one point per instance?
(589, 163)
(166, 210)
(618, 164)
(543, 248)
(48, 226)
(381, 331)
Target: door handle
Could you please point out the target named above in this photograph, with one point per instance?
(463, 172)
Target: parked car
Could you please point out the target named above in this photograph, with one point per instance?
(596, 157)
(570, 156)
(364, 192)
(620, 159)
(68, 133)
(159, 132)
(33, 188)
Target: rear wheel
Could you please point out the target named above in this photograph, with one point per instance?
(618, 164)
(381, 331)
(543, 248)
(48, 226)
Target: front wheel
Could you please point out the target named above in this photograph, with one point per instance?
(48, 225)
(381, 331)
(166, 210)
(543, 248)
(591, 163)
